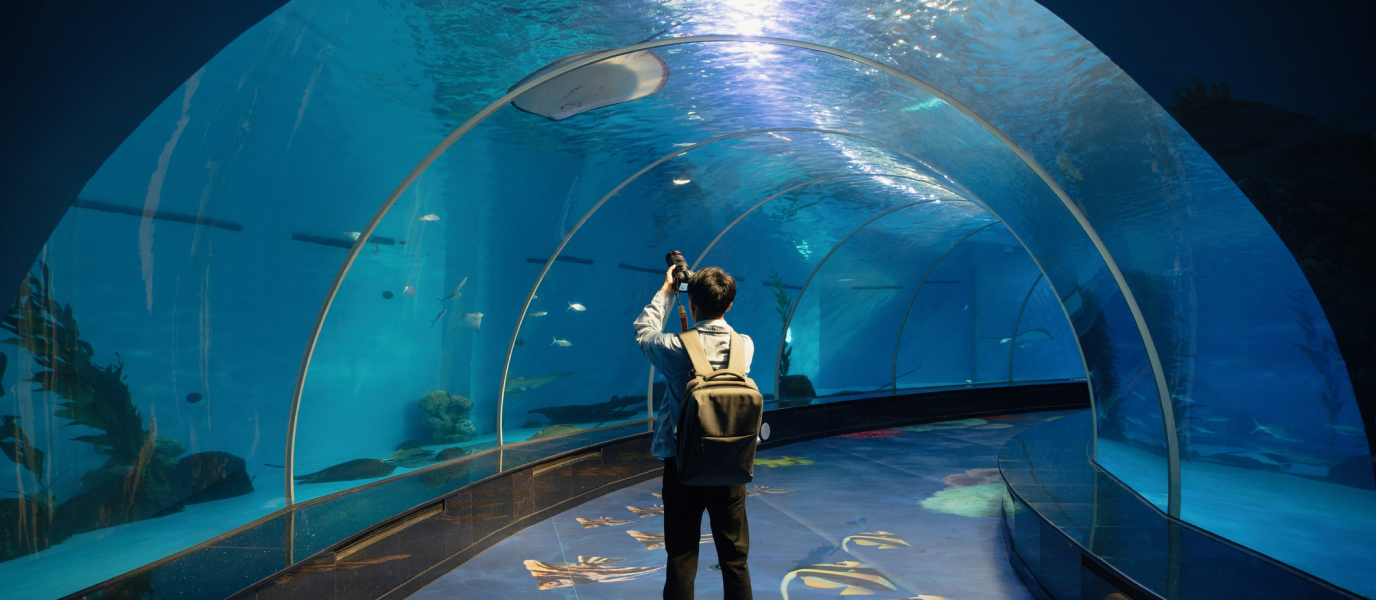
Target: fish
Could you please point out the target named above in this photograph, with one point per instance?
(1197, 429)
(516, 385)
(353, 235)
(854, 577)
(1263, 458)
(1068, 167)
(556, 431)
(611, 410)
(1276, 431)
(787, 461)
(430, 217)
(194, 397)
(764, 490)
(538, 313)
(409, 290)
(1217, 419)
(560, 343)
(601, 522)
(408, 453)
(655, 540)
(473, 321)
(438, 317)
(576, 307)
(449, 454)
(653, 511)
(1342, 429)
(588, 569)
(361, 468)
(883, 539)
(1135, 421)
(458, 291)
(1035, 335)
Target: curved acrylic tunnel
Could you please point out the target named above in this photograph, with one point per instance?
(988, 204)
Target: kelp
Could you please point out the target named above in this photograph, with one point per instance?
(96, 397)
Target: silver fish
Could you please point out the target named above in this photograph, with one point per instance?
(1348, 430)
(588, 569)
(655, 540)
(458, 291)
(601, 522)
(538, 314)
(574, 306)
(473, 321)
(430, 217)
(1135, 421)
(1217, 419)
(438, 317)
(353, 235)
(1035, 335)
(653, 511)
(560, 343)
(1276, 431)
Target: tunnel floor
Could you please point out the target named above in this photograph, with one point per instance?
(917, 507)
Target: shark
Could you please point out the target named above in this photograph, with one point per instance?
(516, 385)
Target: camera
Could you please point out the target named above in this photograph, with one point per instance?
(681, 272)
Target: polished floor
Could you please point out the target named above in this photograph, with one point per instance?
(899, 513)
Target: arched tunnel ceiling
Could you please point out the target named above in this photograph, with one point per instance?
(298, 131)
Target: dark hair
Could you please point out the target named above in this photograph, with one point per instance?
(712, 289)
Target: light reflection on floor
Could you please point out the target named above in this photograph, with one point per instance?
(911, 512)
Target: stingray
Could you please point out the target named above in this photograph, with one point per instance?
(362, 468)
(603, 83)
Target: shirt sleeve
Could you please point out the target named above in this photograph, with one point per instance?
(649, 331)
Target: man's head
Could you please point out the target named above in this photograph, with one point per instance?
(710, 293)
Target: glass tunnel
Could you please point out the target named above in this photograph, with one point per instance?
(338, 253)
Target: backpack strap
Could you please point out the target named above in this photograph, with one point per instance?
(693, 344)
(736, 355)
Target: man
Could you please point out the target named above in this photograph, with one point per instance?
(711, 292)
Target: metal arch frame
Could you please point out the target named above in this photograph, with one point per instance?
(1013, 343)
(520, 320)
(702, 255)
(898, 339)
(793, 306)
(1163, 392)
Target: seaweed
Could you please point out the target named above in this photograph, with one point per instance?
(1096, 342)
(1188, 100)
(783, 302)
(1327, 360)
(94, 396)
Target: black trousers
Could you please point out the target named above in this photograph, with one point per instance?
(725, 506)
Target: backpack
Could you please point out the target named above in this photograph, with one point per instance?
(720, 419)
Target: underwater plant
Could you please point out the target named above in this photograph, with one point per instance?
(141, 477)
(1096, 335)
(1327, 360)
(1188, 100)
(783, 303)
(449, 417)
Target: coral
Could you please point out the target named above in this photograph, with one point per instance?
(1188, 100)
(448, 417)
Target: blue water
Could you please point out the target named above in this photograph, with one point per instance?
(304, 125)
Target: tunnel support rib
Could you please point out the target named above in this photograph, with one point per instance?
(1163, 392)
